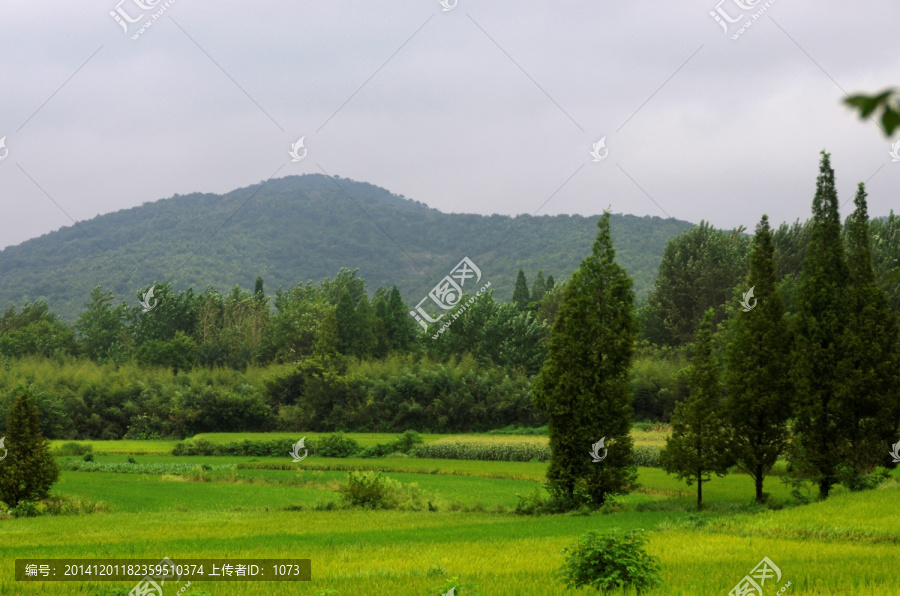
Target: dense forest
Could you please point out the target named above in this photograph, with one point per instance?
(301, 228)
(340, 355)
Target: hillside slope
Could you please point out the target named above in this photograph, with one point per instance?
(301, 228)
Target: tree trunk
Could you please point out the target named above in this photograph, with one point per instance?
(758, 477)
(699, 490)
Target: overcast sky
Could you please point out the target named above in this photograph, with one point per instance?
(489, 107)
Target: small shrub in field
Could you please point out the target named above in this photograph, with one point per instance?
(371, 490)
(88, 457)
(531, 504)
(131, 459)
(610, 561)
(407, 441)
(70, 505)
(336, 445)
(73, 448)
(25, 509)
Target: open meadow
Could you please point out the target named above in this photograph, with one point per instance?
(469, 536)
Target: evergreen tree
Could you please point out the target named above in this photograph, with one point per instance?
(398, 323)
(698, 446)
(520, 294)
(365, 342)
(583, 386)
(538, 288)
(758, 367)
(822, 313)
(258, 290)
(29, 469)
(871, 367)
(550, 283)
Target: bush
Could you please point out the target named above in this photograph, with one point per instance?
(407, 441)
(371, 490)
(73, 448)
(610, 561)
(336, 445)
(25, 509)
(131, 459)
(88, 457)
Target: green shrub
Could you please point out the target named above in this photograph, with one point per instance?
(407, 441)
(25, 509)
(371, 490)
(610, 561)
(131, 459)
(71, 505)
(336, 445)
(73, 448)
(88, 457)
(531, 504)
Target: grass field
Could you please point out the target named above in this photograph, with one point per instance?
(258, 507)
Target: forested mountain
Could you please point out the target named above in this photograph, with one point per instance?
(300, 228)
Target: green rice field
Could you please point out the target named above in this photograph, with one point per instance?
(268, 507)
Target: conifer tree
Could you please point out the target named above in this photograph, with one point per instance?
(758, 367)
(538, 288)
(583, 386)
(871, 367)
(550, 283)
(822, 313)
(520, 295)
(698, 446)
(29, 470)
(364, 344)
(398, 323)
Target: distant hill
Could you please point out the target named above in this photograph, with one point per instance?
(301, 228)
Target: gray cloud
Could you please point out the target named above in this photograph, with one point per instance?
(450, 120)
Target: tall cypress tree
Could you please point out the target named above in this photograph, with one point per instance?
(871, 367)
(583, 386)
(538, 288)
(698, 446)
(822, 313)
(520, 295)
(758, 368)
(365, 343)
(550, 283)
(398, 323)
